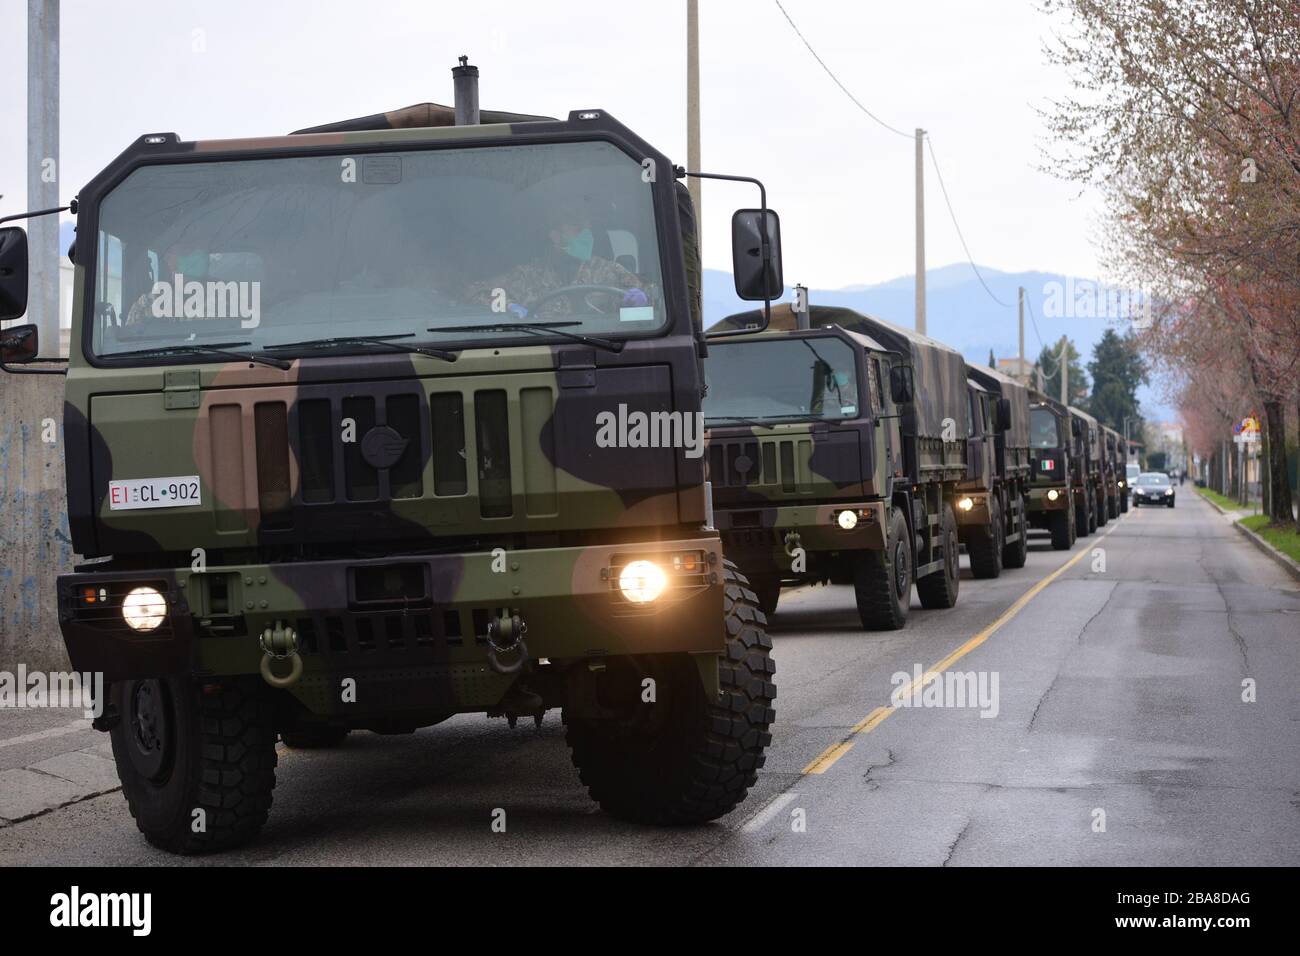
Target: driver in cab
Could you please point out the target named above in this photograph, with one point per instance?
(568, 261)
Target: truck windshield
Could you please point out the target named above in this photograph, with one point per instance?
(781, 378)
(279, 251)
(1042, 429)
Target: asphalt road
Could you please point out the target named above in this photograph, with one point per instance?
(1120, 737)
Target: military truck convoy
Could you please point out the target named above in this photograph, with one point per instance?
(993, 508)
(1090, 489)
(356, 437)
(823, 472)
(403, 417)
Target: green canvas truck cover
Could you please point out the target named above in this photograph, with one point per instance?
(1017, 436)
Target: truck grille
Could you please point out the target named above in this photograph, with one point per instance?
(393, 443)
(740, 464)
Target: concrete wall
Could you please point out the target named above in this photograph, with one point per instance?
(34, 541)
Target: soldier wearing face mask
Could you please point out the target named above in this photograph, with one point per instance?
(567, 261)
(191, 264)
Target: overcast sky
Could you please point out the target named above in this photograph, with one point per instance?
(970, 73)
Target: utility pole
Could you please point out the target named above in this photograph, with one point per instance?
(920, 234)
(1022, 328)
(43, 170)
(1065, 371)
(695, 184)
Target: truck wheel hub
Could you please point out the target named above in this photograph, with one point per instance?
(149, 731)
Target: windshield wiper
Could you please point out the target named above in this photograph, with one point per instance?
(216, 348)
(384, 340)
(751, 422)
(536, 328)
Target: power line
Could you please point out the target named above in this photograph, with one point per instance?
(944, 189)
(835, 78)
(1051, 357)
(933, 158)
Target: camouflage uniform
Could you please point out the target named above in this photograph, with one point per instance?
(141, 310)
(527, 283)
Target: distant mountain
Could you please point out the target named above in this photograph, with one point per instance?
(960, 312)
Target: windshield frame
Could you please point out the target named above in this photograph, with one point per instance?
(1057, 418)
(173, 151)
(867, 411)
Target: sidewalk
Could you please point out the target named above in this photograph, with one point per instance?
(50, 758)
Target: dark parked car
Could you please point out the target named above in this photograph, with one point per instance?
(1153, 488)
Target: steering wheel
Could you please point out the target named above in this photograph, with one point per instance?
(572, 290)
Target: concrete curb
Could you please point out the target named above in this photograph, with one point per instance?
(1290, 566)
(1215, 505)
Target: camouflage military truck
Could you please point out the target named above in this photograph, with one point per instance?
(1112, 470)
(426, 472)
(835, 451)
(1053, 461)
(1090, 494)
(991, 505)
(1121, 470)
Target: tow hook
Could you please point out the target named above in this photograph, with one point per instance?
(280, 643)
(506, 634)
(792, 543)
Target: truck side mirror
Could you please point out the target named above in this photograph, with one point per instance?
(901, 386)
(19, 344)
(757, 277)
(13, 273)
(1003, 415)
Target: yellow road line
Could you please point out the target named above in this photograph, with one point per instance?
(827, 757)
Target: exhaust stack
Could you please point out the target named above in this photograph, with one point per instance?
(465, 80)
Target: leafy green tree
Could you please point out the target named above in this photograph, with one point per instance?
(1048, 362)
(1117, 370)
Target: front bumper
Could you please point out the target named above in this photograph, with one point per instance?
(1039, 501)
(409, 627)
(760, 539)
(978, 515)
(1141, 499)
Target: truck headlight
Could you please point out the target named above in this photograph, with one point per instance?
(966, 504)
(642, 581)
(847, 520)
(1121, 482)
(1053, 494)
(144, 609)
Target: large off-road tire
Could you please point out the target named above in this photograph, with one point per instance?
(768, 589)
(985, 548)
(692, 759)
(1016, 553)
(939, 590)
(1103, 510)
(1062, 530)
(195, 756)
(1123, 504)
(882, 580)
(1081, 520)
(313, 737)
(1092, 514)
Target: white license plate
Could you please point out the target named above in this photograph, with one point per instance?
(178, 492)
